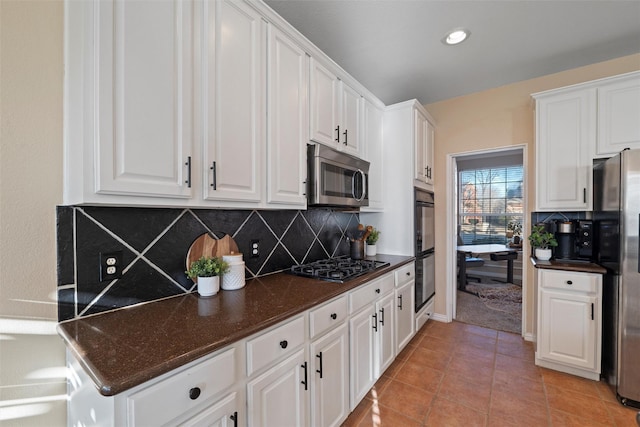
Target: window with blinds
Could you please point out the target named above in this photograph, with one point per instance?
(490, 204)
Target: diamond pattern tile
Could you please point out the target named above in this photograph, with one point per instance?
(155, 241)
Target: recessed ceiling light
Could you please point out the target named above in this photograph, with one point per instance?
(456, 36)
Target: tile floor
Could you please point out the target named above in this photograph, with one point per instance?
(455, 374)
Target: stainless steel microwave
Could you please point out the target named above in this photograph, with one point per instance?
(336, 178)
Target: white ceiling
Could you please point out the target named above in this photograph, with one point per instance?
(393, 46)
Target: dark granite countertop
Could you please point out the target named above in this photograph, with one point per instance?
(584, 267)
(123, 348)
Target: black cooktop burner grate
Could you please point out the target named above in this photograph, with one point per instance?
(338, 270)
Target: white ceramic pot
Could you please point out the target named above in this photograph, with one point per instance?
(234, 278)
(371, 250)
(543, 254)
(208, 286)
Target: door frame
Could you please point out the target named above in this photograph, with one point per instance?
(451, 227)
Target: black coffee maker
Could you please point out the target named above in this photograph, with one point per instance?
(566, 237)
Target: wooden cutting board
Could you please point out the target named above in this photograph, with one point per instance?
(207, 246)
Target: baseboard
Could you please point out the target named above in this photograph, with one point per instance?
(440, 318)
(529, 337)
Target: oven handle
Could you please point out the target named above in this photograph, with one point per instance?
(364, 185)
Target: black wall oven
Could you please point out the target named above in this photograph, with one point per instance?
(424, 247)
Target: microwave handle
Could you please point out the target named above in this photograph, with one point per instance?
(364, 185)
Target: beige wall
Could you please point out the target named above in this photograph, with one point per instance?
(31, 72)
(496, 118)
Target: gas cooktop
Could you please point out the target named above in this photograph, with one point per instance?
(340, 269)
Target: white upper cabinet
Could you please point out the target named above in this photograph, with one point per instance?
(336, 111)
(351, 119)
(618, 115)
(196, 104)
(373, 152)
(423, 146)
(234, 102)
(288, 120)
(565, 137)
(134, 111)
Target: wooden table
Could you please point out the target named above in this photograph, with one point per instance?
(481, 249)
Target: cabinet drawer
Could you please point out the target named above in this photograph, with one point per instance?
(328, 316)
(366, 294)
(405, 274)
(570, 281)
(271, 346)
(164, 401)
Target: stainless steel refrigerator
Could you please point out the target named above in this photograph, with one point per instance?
(617, 216)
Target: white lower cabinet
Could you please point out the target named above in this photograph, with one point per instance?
(224, 413)
(279, 397)
(309, 370)
(404, 315)
(371, 335)
(330, 378)
(569, 322)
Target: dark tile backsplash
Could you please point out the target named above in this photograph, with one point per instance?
(154, 244)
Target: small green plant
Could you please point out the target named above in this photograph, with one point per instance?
(207, 267)
(373, 237)
(540, 238)
(515, 227)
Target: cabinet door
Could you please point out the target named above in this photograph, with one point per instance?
(565, 141)
(419, 139)
(234, 101)
(372, 134)
(330, 378)
(288, 118)
(429, 140)
(404, 315)
(144, 95)
(223, 413)
(618, 116)
(279, 397)
(351, 120)
(568, 323)
(361, 357)
(384, 337)
(324, 106)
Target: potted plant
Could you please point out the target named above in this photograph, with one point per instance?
(514, 229)
(206, 273)
(542, 241)
(372, 239)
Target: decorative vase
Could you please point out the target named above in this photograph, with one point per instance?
(234, 278)
(543, 254)
(371, 250)
(208, 286)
